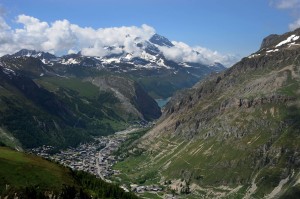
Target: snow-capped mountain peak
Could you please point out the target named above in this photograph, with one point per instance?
(160, 40)
(146, 54)
(35, 54)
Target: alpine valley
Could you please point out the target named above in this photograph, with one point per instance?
(62, 101)
(234, 134)
(225, 133)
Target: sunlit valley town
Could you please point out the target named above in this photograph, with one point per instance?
(98, 157)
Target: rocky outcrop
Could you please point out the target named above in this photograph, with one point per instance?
(274, 39)
(276, 99)
(269, 40)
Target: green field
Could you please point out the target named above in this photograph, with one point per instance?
(22, 170)
(84, 89)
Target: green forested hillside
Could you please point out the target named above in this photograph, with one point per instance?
(28, 176)
(64, 111)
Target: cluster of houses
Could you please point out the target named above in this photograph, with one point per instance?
(43, 151)
(106, 158)
(94, 157)
(146, 188)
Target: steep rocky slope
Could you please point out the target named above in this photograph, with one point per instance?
(132, 96)
(233, 135)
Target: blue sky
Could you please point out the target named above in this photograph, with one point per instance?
(230, 27)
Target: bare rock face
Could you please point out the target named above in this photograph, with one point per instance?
(274, 39)
(269, 40)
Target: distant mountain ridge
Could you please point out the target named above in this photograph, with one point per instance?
(151, 57)
(40, 107)
(87, 93)
(146, 67)
(35, 54)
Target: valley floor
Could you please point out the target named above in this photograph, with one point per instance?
(98, 158)
(105, 158)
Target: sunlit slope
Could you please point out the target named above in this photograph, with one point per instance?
(235, 134)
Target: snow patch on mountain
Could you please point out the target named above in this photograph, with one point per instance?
(253, 55)
(271, 51)
(161, 62)
(288, 40)
(69, 61)
(8, 71)
(185, 65)
(148, 57)
(111, 60)
(128, 57)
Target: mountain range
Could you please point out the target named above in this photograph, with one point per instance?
(64, 100)
(65, 110)
(159, 76)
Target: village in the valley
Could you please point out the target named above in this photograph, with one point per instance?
(96, 157)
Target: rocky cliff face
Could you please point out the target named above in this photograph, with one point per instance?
(236, 131)
(269, 40)
(132, 97)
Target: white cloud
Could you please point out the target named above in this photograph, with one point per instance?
(6, 35)
(285, 4)
(62, 37)
(31, 24)
(293, 6)
(182, 52)
(71, 51)
(295, 25)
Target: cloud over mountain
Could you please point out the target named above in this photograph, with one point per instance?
(182, 52)
(61, 36)
(295, 24)
(285, 4)
(293, 6)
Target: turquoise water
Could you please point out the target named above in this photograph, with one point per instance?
(162, 102)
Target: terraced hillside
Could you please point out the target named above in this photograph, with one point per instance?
(235, 134)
